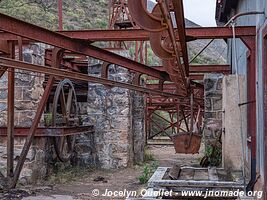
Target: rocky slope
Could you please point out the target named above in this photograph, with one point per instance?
(215, 53)
(88, 14)
(78, 14)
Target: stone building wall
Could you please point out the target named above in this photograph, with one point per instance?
(28, 92)
(28, 89)
(118, 117)
(138, 123)
(116, 113)
(213, 112)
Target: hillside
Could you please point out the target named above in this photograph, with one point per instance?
(78, 14)
(93, 14)
(216, 53)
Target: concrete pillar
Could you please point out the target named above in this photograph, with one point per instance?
(234, 122)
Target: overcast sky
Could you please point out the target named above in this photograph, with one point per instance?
(201, 12)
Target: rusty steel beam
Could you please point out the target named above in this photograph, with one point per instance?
(31, 132)
(78, 76)
(60, 15)
(4, 46)
(10, 114)
(180, 22)
(48, 131)
(177, 51)
(220, 32)
(203, 68)
(10, 123)
(142, 35)
(210, 69)
(39, 34)
(109, 35)
(250, 42)
(2, 71)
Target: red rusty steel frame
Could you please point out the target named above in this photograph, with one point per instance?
(203, 68)
(181, 100)
(251, 90)
(39, 34)
(171, 105)
(194, 75)
(143, 35)
(11, 114)
(31, 133)
(60, 15)
(143, 18)
(78, 76)
(264, 44)
(67, 40)
(57, 53)
(181, 65)
(171, 124)
(7, 49)
(158, 23)
(4, 46)
(120, 18)
(48, 131)
(196, 71)
(2, 71)
(180, 22)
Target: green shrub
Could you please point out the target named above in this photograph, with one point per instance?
(148, 170)
(214, 154)
(148, 156)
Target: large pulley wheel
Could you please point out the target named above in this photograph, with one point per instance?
(64, 113)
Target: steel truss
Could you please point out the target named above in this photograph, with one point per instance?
(176, 86)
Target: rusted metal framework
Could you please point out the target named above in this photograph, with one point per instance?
(178, 90)
(120, 19)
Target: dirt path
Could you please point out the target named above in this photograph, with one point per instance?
(167, 156)
(98, 181)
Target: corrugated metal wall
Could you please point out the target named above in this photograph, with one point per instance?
(260, 21)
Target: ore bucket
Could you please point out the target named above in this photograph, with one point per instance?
(184, 145)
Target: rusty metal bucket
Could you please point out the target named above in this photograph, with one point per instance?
(182, 143)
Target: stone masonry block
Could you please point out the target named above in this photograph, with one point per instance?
(217, 103)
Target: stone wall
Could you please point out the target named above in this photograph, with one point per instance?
(213, 105)
(213, 112)
(138, 123)
(28, 92)
(28, 89)
(118, 116)
(116, 113)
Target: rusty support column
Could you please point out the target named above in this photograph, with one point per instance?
(60, 15)
(2, 71)
(57, 53)
(10, 117)
(32, 130)
(178, 117)
(251, 90)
